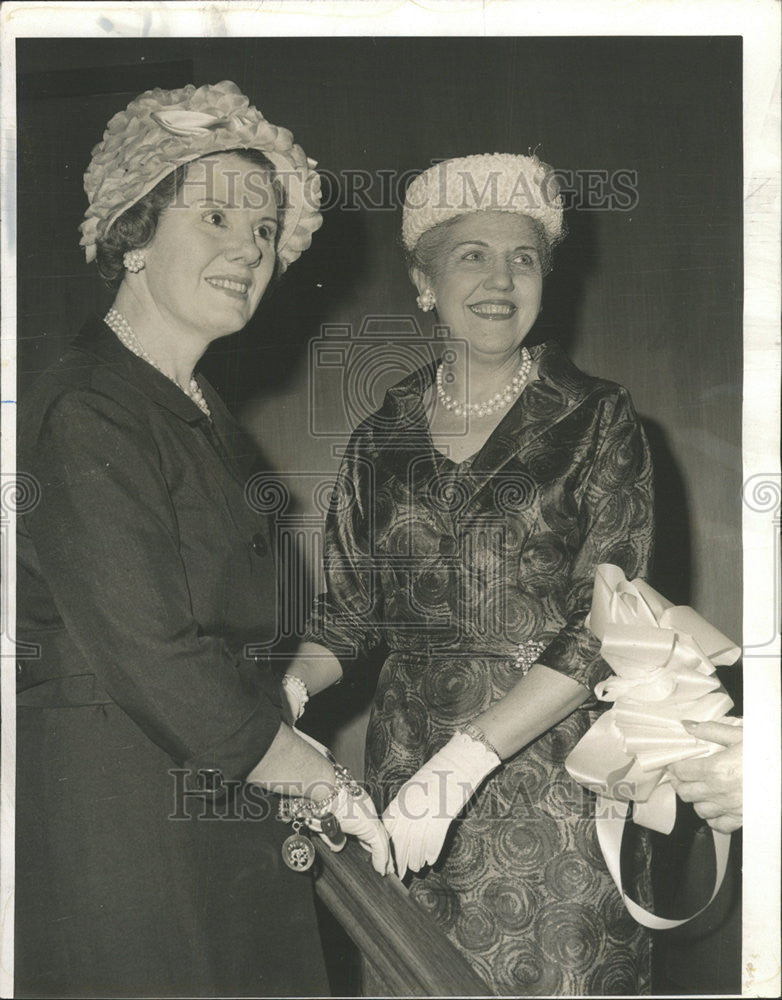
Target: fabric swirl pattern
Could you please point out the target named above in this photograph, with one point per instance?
(504, 560)
(523, 970)
(570, 935)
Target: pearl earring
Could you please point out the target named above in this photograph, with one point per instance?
(426, 300)
(134, 261)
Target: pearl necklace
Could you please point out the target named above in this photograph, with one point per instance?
(499, 401)
(124, 331)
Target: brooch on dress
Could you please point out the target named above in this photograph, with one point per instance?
(528, 653)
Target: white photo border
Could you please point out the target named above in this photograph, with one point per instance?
(758, 22)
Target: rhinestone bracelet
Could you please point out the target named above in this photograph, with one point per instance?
(297, 808)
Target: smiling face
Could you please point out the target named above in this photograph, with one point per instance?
(213, 252)
(487, 279)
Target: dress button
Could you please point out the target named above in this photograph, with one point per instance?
(213, 779)
(260, 548)
(447, 545)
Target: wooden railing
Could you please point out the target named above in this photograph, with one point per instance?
(408, 952)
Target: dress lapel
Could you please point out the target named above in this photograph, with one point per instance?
(235, 450)
(404, 444)
(404, 448)
(542, 403)
(98, 340)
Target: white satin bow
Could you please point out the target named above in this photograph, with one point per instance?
(664, 659)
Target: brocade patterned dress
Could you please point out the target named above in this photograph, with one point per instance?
(453, 569)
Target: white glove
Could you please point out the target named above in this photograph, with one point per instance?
(418, 818)
(296, 694)
(357, 816)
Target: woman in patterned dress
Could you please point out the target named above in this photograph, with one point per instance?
(470, 513)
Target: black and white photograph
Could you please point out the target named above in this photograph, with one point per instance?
(390, 500)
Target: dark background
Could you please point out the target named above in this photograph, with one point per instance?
(650, 297)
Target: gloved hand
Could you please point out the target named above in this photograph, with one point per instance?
(357, 816)
(418, 818)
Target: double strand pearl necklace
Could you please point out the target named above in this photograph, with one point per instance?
(124, 331)
(499, 401)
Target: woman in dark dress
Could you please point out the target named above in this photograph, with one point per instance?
(149, 861)
(469, 516)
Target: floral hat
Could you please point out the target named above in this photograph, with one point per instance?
(500, 182)
(162, 129)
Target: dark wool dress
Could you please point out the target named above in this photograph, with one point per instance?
(453, 568)
(142, 574)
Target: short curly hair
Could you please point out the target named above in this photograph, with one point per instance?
(137, 225)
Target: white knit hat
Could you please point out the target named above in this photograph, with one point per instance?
(498, 182)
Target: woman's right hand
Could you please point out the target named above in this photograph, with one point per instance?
(295, 763)
(714, 784)
(357, 816)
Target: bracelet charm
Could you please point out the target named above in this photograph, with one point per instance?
(298, 851)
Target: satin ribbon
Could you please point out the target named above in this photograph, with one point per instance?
(664, 659)
(181, 122)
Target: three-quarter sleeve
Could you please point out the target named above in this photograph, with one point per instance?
(108, 543)
(346, 617)
(616, 525)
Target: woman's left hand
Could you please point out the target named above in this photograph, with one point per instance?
(418, 818)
